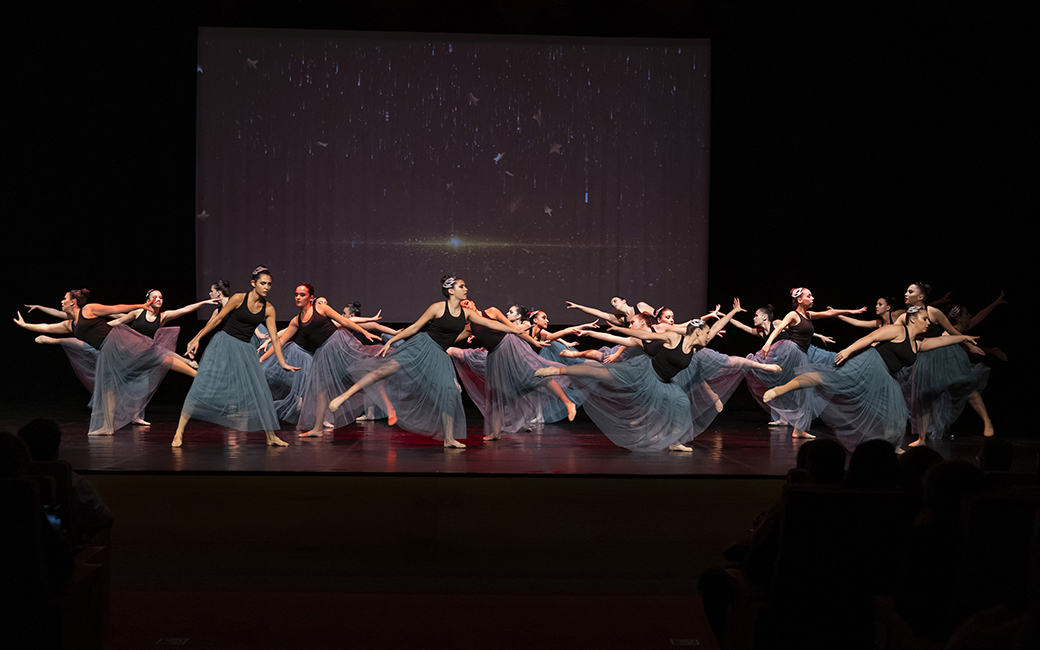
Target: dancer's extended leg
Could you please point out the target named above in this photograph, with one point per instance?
(801, 381)
(379, 374)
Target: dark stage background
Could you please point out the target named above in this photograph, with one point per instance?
(852, 151)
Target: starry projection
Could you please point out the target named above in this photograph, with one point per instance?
(370, 165)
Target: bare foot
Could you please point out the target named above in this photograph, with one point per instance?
(177, 441)
(363, 418)
(917, 443)
(142, 422)
(548, 372)
(769, 395)
(988, 431)
(313, 433)
(391, 418)
(492, 436)
(100, 432)
(192, 363)
(455, 444)
(719, 405)
(336, 403)
(775, 423)
(803, 434)
(678, 447)
(572, 410)
(275, 441)
(772, 367)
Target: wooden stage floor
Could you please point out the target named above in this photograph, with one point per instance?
(739, 444)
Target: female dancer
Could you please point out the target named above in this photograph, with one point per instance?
(635, 402)
(230, 388)
(419, 377)
(886, 314)
(129, 365)
(964, 321)
(510, 395)
(864, 400)
(623, 312)
(941, 380)
(796, 410)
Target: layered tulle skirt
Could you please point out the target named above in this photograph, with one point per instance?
(709, 381)
(129, 368)
(286, 386)
(633, 407)
(862, 401)
(230, 388)
(797, 408)
(940, 382)
(338, 363)
(83, 358)
(423, 389)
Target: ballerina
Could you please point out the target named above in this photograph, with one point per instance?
(797, 411)
(230, 388)
(419, 376)
(942, 380)
(885, 312)
(623, 312)
(863, 398)
(510, 395)
(129, 364)
(635, 402)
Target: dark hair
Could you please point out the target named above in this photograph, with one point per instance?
(618, 311)
(445, 278)
(355, 308)
(224, 287)
(81, 296)
(873, 466)
(43, 438)
(794, 298)
(825, 461)
(310, 287)
(643, 317)
(890, 301)
(520, 309)
(14, 456)
(925, 289)
(660, 310)
(260, 270)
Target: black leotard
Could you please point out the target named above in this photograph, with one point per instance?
(314, 332)
(802, 333)
(144, 326)
(669, 362)
(898, 355)
(241, 322)
(92, 331)
(485, 337)
(446, 329)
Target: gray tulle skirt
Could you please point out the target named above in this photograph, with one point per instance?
(709, 381)
(423, 391)
(286, 386)
(83, 358)
(940, 382)
(634, 408)
(862, 401)
(129, 369)
(555, 410)
(471, 365)
(515, 397)
(230, 388)
(797, 408)
(338, 363)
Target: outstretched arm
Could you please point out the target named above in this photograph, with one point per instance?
(64, 327)
(886, 333)
(830, 311)
(233, 303)
(177, 313)
(941, 341)
(644, 334)
(128, 317)
(329, 312)
(610, 318)
(283, 337)
(57, 313)
(576, 329)
(825, 339)
(627, 341)
(94, 310)
(977, 318)
(433, 311)
(855, 322)
(745, 328)
(719, 324)
(361, 320)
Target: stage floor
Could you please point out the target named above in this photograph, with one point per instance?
(739, 444)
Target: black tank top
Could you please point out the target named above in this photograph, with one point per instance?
(669, 362)
(241, 322)
(144, 326)
(652, 346)
(485, 337)
(446, 329)
(897, 355)
(314, 332)
(92, 331)
(802, 333)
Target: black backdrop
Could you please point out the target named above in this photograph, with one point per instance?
(852, 151)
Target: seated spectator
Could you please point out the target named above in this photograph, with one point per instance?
(825, 461)
(873, 466)
(87, 509)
